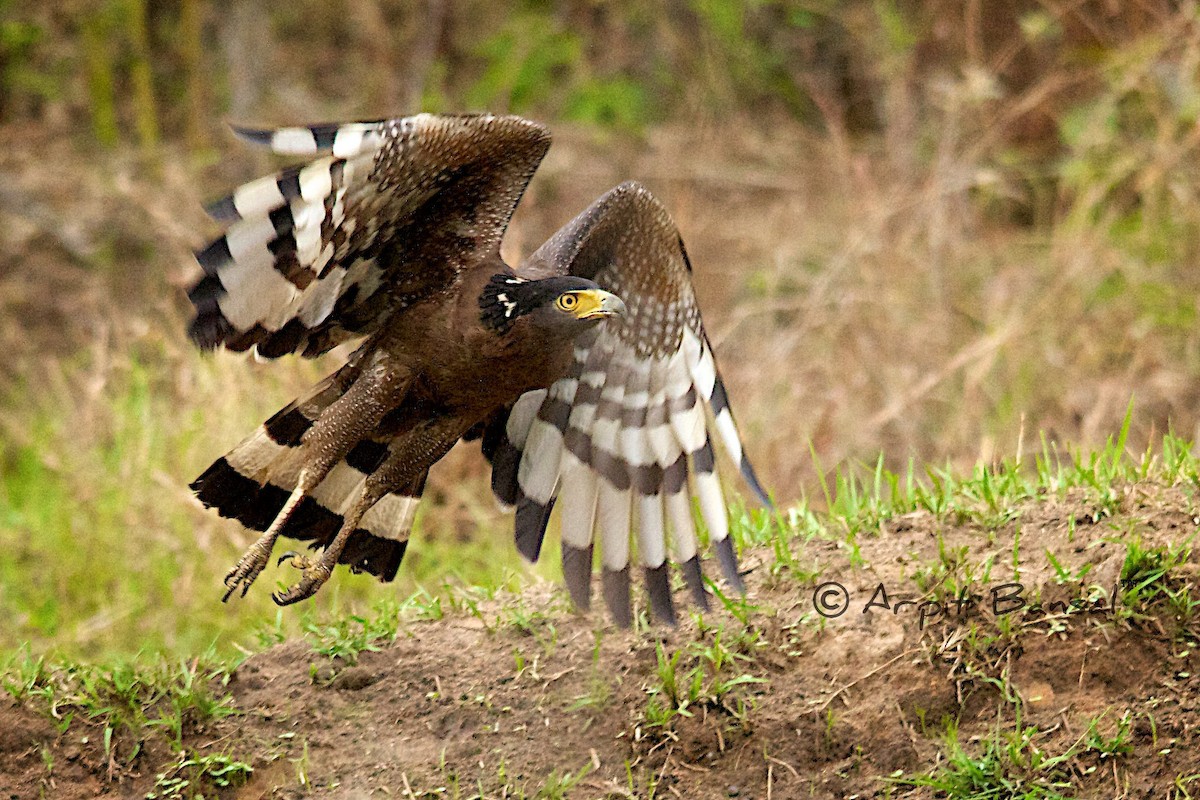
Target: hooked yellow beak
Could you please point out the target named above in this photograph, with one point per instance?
(596, 303)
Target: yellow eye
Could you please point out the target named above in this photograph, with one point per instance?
(567, 302)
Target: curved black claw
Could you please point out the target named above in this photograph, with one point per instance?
(243, 574)
(311, 580)
(313, 577)
(289, 554)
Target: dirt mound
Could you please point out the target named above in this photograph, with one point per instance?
(919, 676)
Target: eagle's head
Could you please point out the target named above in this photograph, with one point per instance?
(567, 303)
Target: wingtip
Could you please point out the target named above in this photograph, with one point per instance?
(693, 575)
(222, 210)
(727, 556)
(662, 605)
(208, 331)
(752, 481)
(615, 586)
(530, 527)
(577, 574)
(258, 136)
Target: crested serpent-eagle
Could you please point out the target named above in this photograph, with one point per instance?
(585, 372)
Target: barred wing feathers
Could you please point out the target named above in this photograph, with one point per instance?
(622, 442)
(390, 212)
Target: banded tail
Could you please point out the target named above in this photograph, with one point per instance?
(252, 482)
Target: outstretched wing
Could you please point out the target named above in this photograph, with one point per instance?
(622, 442)
(389, 214)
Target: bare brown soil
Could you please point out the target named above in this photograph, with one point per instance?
(495, 703)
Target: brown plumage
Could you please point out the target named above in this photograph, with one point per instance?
(585, 372)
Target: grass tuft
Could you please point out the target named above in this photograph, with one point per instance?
(126, 703)
(1011, 766)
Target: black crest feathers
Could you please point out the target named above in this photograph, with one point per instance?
(499, 304)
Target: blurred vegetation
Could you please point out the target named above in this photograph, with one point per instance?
(169, 66)
(102, 549)
(926, 228)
